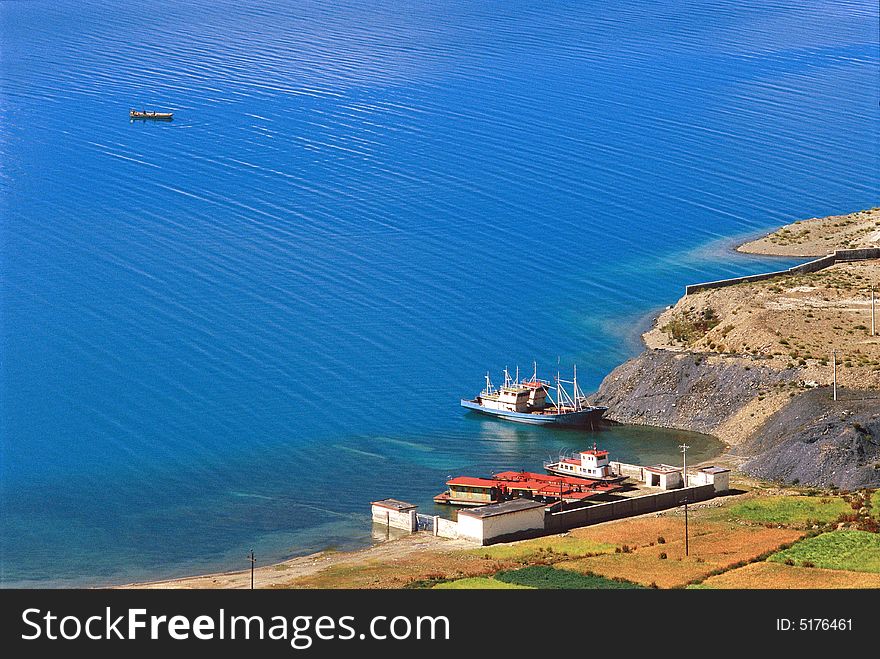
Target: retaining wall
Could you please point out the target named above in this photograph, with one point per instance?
(556, 522)
(840, 255)
(633, 471)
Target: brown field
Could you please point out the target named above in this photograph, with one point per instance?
(778, 575)
(642, 531)
(713, 545)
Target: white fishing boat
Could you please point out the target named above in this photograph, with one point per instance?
(592, 464)
(530, 401)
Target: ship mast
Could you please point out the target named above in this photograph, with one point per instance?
(558, 393)
(577, 404)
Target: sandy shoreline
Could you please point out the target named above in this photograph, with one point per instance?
(819, 236)
(278, 575)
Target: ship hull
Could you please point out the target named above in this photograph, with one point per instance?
(580, 418)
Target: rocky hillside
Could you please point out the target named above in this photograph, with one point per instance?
(785, 432)
(752, 364)
(816, 441)
(686, 390)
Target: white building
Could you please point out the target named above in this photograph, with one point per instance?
(717, 476)
(486, 523)
(666, 477)
(396, 514)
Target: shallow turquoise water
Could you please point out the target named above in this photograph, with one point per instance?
(236, 329)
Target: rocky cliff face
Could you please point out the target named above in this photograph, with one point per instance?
(816, 441)
(684, 390)
(802, 436)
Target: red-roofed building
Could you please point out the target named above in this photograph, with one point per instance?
(468, 491)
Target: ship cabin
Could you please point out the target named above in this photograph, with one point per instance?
(467, 491)
(592, 463)
(527, 396)
(511, 398)
(537, 393)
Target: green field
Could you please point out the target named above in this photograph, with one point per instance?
(858, 551)
(875, 504)
(543, 576)
(790, 509)
(550, 547)
(485, 583)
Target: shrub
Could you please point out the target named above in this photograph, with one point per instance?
(661, 540)
(690, 325)
(662, 555)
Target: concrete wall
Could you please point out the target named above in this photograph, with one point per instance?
(484, 529)
(633, 471)
(406, 520)
(445, 528)
(811, 266)
(603, 512)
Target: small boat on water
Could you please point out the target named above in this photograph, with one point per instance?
(148, 114)
(592, 464)
(530, 401)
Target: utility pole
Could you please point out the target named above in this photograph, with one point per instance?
(686, 548)
(834, 371)
(253, 561)
(872, 312)
(684, 468)
(684, 473)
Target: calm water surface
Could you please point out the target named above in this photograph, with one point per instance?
(236, 329)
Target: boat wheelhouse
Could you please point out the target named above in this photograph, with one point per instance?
(592, 464)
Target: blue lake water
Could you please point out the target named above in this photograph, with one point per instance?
(234, 330)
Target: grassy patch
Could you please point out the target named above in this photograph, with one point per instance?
(790, 509)
(546, 549)
(875, 504)
(542, 576)
(483, 583)
(857, 551)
